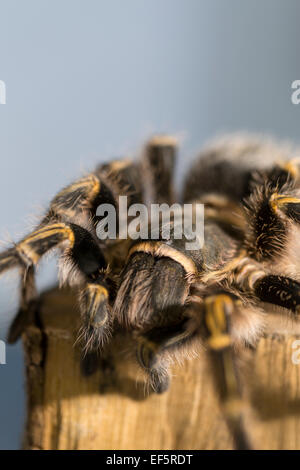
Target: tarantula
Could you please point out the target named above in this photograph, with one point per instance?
(171, 298)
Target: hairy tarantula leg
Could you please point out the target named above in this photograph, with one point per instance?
(79, 200)
(86, 255)
(282, 173)
(83, 253)
(158, 166)
(217, 311)
(279, 290)
(74, 198)
(35, 245)
(270, 215)
(153, 344)
(148, 358)
(28, 304)
(252, 279)
(288, 204)
(26, 255)
(28, 252)
(8, 259)
(96, 314)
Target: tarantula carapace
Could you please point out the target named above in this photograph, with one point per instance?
(171, 298)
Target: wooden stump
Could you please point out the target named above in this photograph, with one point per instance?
(112, 408)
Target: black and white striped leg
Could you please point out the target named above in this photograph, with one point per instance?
(279, 290)
(82, 254)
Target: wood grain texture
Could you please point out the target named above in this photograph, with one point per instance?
(113, 409)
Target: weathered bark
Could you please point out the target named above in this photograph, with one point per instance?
(112, 409)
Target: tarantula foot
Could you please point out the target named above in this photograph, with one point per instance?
(94, 337)
(149, 360)
(96, 315)
(159, 380)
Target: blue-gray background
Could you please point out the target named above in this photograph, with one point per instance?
(90, 79)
